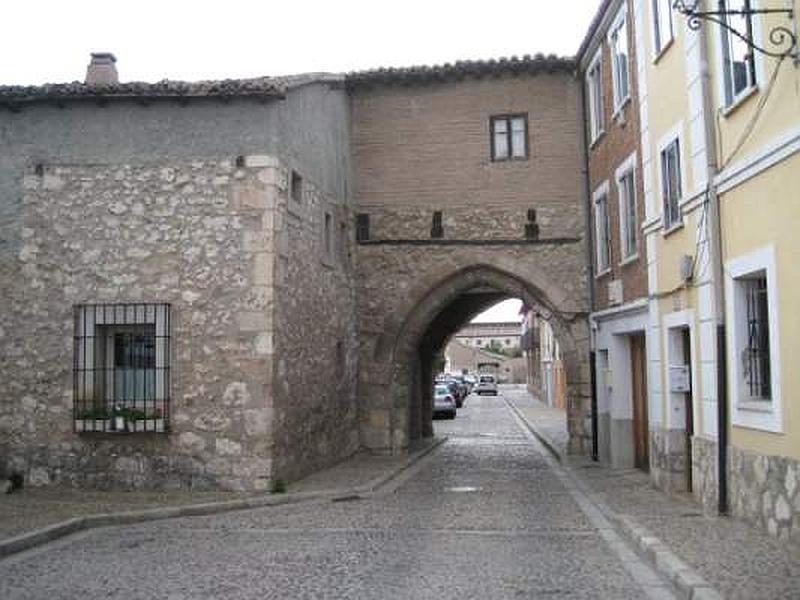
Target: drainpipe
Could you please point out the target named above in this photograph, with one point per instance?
(715, 257)
(589, 263)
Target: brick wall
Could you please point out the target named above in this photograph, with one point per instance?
(621, 138)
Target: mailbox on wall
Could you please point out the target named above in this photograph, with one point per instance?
(680, 380)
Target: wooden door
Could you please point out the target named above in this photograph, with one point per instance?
(687, 360)
(639, 394)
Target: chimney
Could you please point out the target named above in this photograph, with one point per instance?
(102, 70)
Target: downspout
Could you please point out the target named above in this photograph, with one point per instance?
(590, 263)
(715, 257)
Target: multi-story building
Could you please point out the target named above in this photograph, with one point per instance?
(503, 336)
(719, 155)
(607, 60)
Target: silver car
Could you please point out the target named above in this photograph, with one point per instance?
(487, 384)
(443, 402)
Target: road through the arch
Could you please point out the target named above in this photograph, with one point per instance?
(486, 516)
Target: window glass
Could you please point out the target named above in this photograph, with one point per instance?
(756, 359)
(739, 66)
(662, 23)
(671, 183)
(601, 224)
(595, 100)
(619, 50)
(518, 137)
(627, 193)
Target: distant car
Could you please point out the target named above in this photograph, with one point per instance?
(444, 404)
(487, 384)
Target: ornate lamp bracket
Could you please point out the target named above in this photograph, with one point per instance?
(781, 37)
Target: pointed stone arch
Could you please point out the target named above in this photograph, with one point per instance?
(434, 306)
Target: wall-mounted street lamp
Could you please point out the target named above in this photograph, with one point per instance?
(781, 37)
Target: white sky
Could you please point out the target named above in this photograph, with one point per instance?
(50, 40)
(507, 310)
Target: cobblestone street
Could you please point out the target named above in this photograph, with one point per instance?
(487, 515)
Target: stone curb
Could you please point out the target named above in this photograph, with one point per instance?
(551, 447)
(685, 579)
(44, 535)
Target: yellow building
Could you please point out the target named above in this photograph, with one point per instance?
(720, 143)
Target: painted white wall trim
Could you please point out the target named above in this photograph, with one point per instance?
(768, 156)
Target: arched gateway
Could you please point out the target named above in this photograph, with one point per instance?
(468, 189)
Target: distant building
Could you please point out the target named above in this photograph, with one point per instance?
(504, 336)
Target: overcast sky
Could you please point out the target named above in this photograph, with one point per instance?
(50, 40)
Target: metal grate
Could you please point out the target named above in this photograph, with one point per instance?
(121, 381)
(362, 227)
(437, 229)
(757, 355)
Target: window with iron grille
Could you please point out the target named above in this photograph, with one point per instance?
(671, 183)
(121, 378)
(756, 359)
(509, 137)
(437, 229)
(362, 227)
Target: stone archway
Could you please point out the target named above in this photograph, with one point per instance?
(397, 375)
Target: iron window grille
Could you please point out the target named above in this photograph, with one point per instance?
(437, 229)
(362, 227)
(509, 137)
(671, 183)
(757, 360)
(121, 375)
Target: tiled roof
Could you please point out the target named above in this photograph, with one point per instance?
(460, 70)
(263, 87)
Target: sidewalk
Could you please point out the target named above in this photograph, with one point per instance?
(703, 552)
(34, 516)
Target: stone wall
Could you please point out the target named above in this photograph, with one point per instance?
(316, 416)
(668, 460)
(705, 455)
(765, 490)
(197, 235)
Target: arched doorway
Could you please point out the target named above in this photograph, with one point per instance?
(396, 380)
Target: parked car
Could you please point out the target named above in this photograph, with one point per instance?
(459, 391)
(487, 384)
(444, 404)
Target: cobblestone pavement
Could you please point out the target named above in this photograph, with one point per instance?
(733, 557)
(488, 515)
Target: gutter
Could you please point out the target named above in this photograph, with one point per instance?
(715, 257)
(589, 263)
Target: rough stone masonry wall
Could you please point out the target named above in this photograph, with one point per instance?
(765, 490)
(424, 148)
(316, 346)
(197, 235)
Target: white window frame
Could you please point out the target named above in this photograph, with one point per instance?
(620, 27)
(728, 98)
(766, 415)
(660, 43)
(601, 194)
(594, 94)
(628, 167)
(673, 135)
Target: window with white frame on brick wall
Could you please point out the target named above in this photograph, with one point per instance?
(618, 43)
(601, 224)
(594, 89)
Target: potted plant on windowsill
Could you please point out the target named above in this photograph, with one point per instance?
(94, 419)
